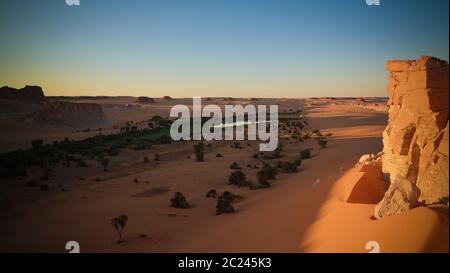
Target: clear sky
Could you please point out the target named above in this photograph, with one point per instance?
(235, 48)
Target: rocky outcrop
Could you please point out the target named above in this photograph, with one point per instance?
(69, 114)
(29, 94)
(145, 100)
(416, 138)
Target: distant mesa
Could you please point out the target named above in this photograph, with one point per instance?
(29, 94)
(167, 98)
(145, 100)
(31, 105)
(68, 114)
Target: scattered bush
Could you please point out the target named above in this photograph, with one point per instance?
(224, 203)
(212, 193)
(157, 157)
(146, 159)
(219, 155)
(236, 145)
(119, 224)
(235, 166)
(306, 154)
(199, 149)
(179, 201)
(238, 178)
(266, 173)
(288, 167)
(104, 161)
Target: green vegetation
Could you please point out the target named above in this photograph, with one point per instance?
(179, 201)
(224, 203)
(268, 172)
(119, 224)
(289, 167)
(104, 161)
(199, 149)
(239, 179)
(16, 163)
(211, 193)
(306, 154)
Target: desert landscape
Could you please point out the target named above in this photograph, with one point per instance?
(200, 128)
(71, 164)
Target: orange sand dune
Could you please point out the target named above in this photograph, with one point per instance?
(346, 223)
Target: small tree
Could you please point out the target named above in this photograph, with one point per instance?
(104, 161)
(238, 178)
(199, 149)
(119, 224)
(179, 201)
(224, 203)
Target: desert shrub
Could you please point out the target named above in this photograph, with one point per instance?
(297, 162)
(322, 143)
(305, 154)
(44, 187)
(238, 178)
(219, 155)
(236, 145)
(266, 173)
(211, 193)
(199, 149)
(146, 159)
(179, 201)
(287, 167)
(224, 203)
(157, 157)
(104, 162)
(136, 180)
(255, 155)
(119, 224)
(235, 166)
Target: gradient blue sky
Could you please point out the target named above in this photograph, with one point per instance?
(237, 48)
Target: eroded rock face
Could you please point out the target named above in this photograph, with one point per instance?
(416, 138)
(69, 114)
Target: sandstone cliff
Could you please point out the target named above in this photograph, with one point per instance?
(415, 158)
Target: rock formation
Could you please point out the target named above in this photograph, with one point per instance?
(69, 114)
(416, 138)
(145, 100)
(29, 94)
